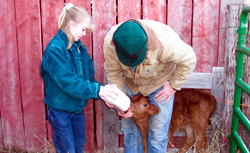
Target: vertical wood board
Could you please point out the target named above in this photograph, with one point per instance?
(233, 16)
(223, 27)
(154, 10)
(111, 130)
(104, 15)
(179, 17)
(215, 132)
(217, 88)
(205, 34)
(28, 22)
(50, 11)
(10, 103)
(128, 9)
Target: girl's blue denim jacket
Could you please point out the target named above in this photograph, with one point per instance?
(68, 75)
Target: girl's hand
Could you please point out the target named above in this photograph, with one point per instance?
(109, 105)
(108, 91)
(127, 114)
(166, 93)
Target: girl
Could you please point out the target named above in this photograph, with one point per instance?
(68, 73)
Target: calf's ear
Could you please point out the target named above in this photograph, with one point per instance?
(153, 110)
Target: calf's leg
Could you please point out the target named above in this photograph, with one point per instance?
(200, 131)
(190, 139)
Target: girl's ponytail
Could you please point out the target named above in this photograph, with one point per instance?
(76, 14)
(61, 18)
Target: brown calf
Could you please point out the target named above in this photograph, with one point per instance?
(141, 109)
(191, 112)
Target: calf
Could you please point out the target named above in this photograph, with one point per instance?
(141, 109)
(191, 112)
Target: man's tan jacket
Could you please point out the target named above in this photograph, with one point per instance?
(168, 59)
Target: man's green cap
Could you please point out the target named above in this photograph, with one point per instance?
(131, 41)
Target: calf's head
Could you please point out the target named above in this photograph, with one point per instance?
(141, 107)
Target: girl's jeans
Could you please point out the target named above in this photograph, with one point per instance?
(68, 131)
(158, 128)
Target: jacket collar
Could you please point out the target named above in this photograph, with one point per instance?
(153, 41)
(65, 39)
(75, 45)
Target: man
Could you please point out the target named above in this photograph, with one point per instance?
(147, 57)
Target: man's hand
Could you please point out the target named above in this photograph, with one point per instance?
(127, 114)
(166, 93)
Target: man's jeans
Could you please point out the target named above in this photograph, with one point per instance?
(68, 131)
(158, 128)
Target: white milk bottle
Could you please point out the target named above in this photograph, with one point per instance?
(121, 101)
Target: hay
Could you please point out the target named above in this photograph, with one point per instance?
(215, 136)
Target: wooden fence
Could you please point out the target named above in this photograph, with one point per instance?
(27, 27)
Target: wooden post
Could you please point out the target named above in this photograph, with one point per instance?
(233, 17)
(217, 88)
(223, 27)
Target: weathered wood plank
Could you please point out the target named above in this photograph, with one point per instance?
(233, 16)
(10, 103)
(28, 22)
(205, 34)
(89, 109)
(50, 11)
(223, 27)
(199, 81)
(104, 12)
(179, 17)
(217, 88)
(111, 129)
(128, 9)
(154, 10)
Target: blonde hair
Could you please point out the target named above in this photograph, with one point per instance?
(76, 14)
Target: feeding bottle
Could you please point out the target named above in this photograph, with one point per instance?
(121, 101)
